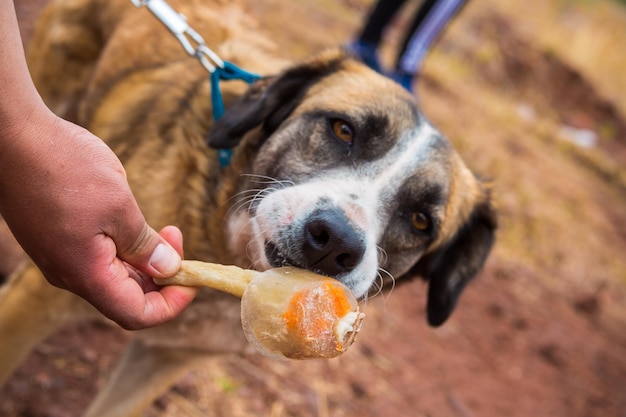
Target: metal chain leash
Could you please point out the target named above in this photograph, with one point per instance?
(177, 24)
(195, 46)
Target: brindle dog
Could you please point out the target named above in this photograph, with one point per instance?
(334, 169)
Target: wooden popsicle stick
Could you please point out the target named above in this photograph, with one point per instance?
(226, 278)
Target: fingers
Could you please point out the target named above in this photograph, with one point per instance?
(161, 306)
(174, 237)
(151, 253)
(131, 299)
(122, 299)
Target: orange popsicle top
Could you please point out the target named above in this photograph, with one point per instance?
(312, 312)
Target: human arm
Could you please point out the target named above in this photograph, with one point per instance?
(65, 196)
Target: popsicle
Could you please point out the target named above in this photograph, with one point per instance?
(286, 311)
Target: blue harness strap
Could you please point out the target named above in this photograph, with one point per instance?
(228, 72)
(194, 45)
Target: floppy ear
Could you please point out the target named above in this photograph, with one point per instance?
(270, 101)
(450, 268)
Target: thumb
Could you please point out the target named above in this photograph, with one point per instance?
(151, 254)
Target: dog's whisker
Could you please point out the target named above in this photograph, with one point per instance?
(247, 198)
(377, 285)
(258, 236)
(382, 256)
(251, 197)
(245, 192)
(250, 254)
(263, 179)
(257, 178)
(382, 271)
(244, 200)
(259, 196)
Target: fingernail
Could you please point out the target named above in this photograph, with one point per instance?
(165, 259)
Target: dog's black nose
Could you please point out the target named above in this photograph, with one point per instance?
(331, 245)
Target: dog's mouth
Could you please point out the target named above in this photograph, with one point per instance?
(339, 262)
(276, 258)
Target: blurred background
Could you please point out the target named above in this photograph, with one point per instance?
(533, 95)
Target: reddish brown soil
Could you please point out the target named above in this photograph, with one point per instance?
(541, 332)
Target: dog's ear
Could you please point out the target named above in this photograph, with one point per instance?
(270, 101)
(450, 268)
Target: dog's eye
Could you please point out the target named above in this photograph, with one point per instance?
(342, 130)
(420, 221)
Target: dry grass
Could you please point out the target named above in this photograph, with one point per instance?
(589, 34)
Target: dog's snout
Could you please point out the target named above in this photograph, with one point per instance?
(331, 244)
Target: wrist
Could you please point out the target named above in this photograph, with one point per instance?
(26, 141)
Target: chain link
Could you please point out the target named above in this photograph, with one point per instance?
(191, 40)
(218, 69)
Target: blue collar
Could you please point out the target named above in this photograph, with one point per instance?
(227, 72)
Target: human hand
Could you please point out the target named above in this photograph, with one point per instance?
(65, 196)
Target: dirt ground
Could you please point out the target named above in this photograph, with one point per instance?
(541, 332)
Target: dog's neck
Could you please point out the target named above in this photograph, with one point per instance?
(232, 180)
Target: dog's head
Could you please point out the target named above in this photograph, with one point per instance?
(351, 181)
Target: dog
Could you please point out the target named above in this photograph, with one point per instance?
(334, 169)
